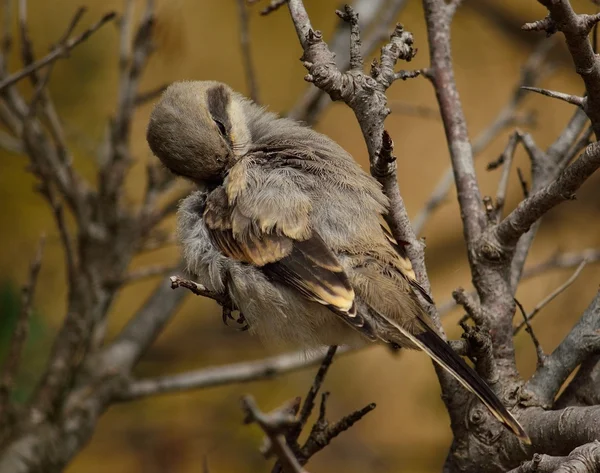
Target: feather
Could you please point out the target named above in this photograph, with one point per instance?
(431, 343)
(406, 268)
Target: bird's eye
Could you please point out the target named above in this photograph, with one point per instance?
(221, 127)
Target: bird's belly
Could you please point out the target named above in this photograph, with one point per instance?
(282, 317)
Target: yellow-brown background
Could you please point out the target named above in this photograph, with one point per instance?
(198, 39)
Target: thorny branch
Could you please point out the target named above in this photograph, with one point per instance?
(322, 432)
(274, 425)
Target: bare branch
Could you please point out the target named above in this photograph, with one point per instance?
(546, 25)
(251, 82)
(576, 28)
(271, 7)
(144, 327)
(323, 432)
(377, 17)
(145, 97)
(268, 368)
(6, 42)
(584, 389)
(541, 356)
(563, 261)
(196, 288)
(572, 99)
(309, 401)
(471, 306)
(274, 425)
(62, 50)
(531, 73)
(151, 217)
(544, 170)
(480, 348)
(506, 159)
(583, 340)
(563, 188)
(584, 459)
(134, 55)
(438, 20)
(544, 302)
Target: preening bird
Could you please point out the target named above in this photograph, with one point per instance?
(289, 226)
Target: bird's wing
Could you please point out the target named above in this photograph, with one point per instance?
(261, 216)
(405, 266)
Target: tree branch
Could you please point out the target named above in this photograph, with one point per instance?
(247, 51)
(563, 188)
(531, 74)
(274, 424)
(375, 16)
(584, 459)
(576, 28)
(584, 389)
(268, 368)
(544, 302)
(438, 18)
(579, 344)
(62, 50)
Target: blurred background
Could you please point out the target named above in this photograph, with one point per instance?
(199, 39)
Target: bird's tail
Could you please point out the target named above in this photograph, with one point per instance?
(432, 344)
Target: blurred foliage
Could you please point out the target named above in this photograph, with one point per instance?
(36, 346)
(198, 39)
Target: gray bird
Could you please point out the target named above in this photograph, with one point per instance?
(289, 226)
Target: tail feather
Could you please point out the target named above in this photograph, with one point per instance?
(432, 344)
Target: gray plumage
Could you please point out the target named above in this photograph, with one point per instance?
(290, 226)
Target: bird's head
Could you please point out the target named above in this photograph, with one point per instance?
(198, 130)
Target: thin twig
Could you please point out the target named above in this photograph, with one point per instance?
(309, 401)
(312, 103)
(506, 159)
(531, 74)
(251, 81)
(274, 425)
(145, 97)
(541, 356)
(582, 341)
(569, 98)
(414, 110)
(244, 372)
(323, 432)
(563, 261)
(271, 7)
(550, 297)
(59, 52)
(133, 58)
(523, 183)
(576, 29)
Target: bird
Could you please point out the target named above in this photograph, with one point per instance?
(287, 224)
